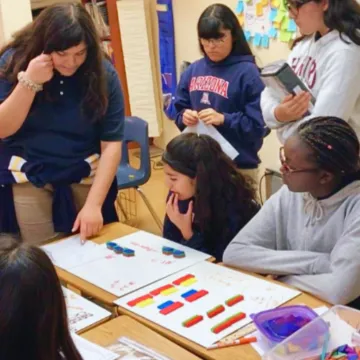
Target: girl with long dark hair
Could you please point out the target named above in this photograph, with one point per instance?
(210, 200)
(33, 317)
(61, 125)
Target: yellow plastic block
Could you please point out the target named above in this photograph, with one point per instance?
(145, 303)
(169, 291)
(189, 282)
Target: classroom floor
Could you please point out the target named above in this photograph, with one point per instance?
(154, 190)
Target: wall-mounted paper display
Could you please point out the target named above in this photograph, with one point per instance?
(263, 20)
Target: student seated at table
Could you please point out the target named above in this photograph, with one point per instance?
(209, 200)
(308, 233)
(33, 317)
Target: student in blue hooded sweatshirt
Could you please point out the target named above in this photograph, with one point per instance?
(224, 87)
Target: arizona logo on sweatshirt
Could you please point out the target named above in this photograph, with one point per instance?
(211, 84)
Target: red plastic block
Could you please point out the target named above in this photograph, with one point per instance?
(139, 299)
(215, 311)
(171, 308)
(160, 289)
(193, 321)
(228, 322)
(182, 279)
(196, 296)
(234, 300)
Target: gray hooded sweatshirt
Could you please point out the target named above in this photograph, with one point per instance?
(312, 244)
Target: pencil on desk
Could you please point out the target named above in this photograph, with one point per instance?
(242, 341)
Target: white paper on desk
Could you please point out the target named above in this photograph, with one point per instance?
(262, 347)
(201, 128)
(220, 283)
(81, 312)
(70, 252)
(91, 351)
(120, 275)
(129, 349)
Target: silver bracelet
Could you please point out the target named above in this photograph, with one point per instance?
(29, 84)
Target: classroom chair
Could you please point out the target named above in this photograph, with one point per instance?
(136, 130)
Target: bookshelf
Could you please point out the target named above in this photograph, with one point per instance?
(114, 40)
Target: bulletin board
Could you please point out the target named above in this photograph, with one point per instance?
(264, 20)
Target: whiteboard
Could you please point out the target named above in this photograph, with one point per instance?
(221, 284)
(116, 273)
(82, 313)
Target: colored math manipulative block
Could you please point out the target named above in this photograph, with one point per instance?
(161, 289)
(138, 300)
(184, 279)
(215, 311)
(196, 296)
(166, 250)
(171, 308)
(234, 300)
(118, 249)
(179, 254)
(192, 321)
(128, 252)
(228, 322)
(110, 245)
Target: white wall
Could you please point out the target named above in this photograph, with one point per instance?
(13, 18)
(186, 14)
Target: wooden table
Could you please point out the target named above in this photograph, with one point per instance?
(243, 352)
(109, 332)
(83, 287)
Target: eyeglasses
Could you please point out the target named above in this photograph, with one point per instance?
(293, 6)
(216, 42)
(287, 169)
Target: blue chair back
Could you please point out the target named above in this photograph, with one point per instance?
(135, 130)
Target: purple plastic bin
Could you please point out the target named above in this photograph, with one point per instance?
(277, 324)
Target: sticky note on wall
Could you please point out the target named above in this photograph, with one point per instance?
(276, 25)
(265, 41)
(265, 2)
(273, 33)
(239, 7)
(280, 16)
(273, 14)
(259, 9)
(275, 3)
(291, 26)
(247, 35)
(241, 19)
(257, 39)
(285, 24)
(282, 5)
(285, 36)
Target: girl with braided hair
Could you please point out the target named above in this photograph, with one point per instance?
(308, 233)
(209, 200)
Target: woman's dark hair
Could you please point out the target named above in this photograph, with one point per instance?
(333, 143)
(219, 185)
(217, 17)
(341, 15)
(33, 317)
(57, 28)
